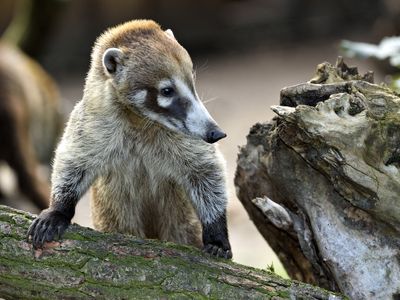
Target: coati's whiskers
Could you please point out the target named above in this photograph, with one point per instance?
(210, 100)
(202, 67)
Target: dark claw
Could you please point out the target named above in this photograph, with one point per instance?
(49, 236)
(36, 235)
(31, 229)
(47, 225)
(217, 251)
(60, 230)
(42, 229)
(228, 254)
(215, 238)
(207, 248)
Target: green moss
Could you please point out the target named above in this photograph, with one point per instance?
(14, 287)
(284, 294)
(90, 264)
(76, 236)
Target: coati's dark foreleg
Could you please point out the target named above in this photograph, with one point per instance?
(74, 170)
(215, 238)
(208, 194)
(69, 184)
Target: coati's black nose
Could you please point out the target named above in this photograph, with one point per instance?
(215, 135)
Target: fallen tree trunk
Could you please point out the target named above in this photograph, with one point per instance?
(88, 264)
(321, 182)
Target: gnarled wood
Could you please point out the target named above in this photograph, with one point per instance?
(329, 165)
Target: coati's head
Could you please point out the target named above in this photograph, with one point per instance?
(152, 74)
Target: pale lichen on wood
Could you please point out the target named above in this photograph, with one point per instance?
(330, 159)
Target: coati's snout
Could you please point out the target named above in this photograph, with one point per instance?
(181, 110)
(214, 134)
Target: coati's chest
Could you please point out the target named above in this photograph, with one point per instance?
(135, 177)
(139, 195)
(144, 167)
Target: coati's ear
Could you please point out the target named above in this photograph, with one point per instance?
(111, 59)
(170, 34)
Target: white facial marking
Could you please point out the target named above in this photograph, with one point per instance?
(164, 101)
(140, 96)
(184, 90)
(164, 84)
(198, 118)
(156, 117)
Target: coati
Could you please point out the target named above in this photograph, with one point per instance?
(29, 121)
(142, 139)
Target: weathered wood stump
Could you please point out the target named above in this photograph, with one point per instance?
(321, 182)
(88, 264)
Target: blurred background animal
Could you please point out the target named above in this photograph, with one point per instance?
(30, 123)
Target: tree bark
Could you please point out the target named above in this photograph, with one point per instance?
(321, 182)
(88, 264)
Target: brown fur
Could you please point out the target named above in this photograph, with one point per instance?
(169, 216)
(160, 55)
(148, 178)
(29, 120)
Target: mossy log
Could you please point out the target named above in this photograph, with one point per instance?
(87, 264)
(321, 182)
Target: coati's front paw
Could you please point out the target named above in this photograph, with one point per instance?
(215, 239)
(47, 226)
(218, 250)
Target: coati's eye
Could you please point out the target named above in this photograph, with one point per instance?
(168, 92)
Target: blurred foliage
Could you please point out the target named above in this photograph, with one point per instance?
(33, 23)
(395, 82)
(60, 34)
(387, 50)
